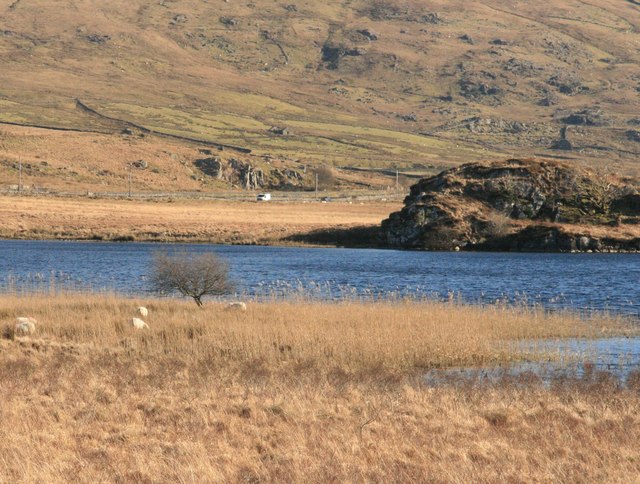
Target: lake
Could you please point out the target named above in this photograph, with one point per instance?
(555, 281)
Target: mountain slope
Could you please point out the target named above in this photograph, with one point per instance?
(422, 85)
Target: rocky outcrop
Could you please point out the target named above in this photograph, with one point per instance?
(211, 166)
(243, 174)
(250, 178)
(526, 205)
(333, 54)
(587, 117)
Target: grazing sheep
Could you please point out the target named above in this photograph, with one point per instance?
(25, 326)
(142, 311)
(26, 319)
(236, 306)
(139, 324)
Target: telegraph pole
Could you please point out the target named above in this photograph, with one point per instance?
(397, 182)
(19, 174)
(316, 186)
(129, 165)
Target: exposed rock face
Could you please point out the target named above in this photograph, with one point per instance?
(567, 84)
(474, 87)
(331, 55)
(210, 166)
(286, 179)
(245, 175)
(587, 117)
(516, 205)
(249, 177)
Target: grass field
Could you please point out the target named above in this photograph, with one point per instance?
(181, 220)
(299, 392)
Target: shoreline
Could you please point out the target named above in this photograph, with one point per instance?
(302, 245)
(228, 222)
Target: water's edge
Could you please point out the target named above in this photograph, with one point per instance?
(578, 282)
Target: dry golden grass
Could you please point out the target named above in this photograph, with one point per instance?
(403, 335)
(190, 220)
(296, 392)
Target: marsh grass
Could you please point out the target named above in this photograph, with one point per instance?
(298, 391)
(401, 334)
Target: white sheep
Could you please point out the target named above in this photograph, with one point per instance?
(26, 319)
(25, 326)
(138, 323)
(142, 311)
(236, 306)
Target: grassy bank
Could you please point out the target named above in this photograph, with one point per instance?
(223, 222)
(300, 391)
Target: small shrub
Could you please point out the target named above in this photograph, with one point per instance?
(497, 225)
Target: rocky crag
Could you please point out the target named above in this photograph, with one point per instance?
(518, 205)
(243, 174)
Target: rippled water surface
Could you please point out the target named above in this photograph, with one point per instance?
(577, 281)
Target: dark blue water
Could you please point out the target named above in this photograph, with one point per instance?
(576, 281)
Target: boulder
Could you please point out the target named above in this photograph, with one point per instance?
(229, 21)
(178, 19)
(98, 39)
(368, 34)
(633, 135)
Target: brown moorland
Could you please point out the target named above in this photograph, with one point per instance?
(181, 220)
(75, 162)
(299, 391)
(420, 85)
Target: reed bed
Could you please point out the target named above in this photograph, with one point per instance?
(351, 334)
(300, 391)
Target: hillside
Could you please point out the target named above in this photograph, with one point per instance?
(423, 85)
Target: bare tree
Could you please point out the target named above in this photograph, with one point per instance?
(192, 275)
(326, 176)
(597, 193)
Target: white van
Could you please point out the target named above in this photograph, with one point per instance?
(263, 197)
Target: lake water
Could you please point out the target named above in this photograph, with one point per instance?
(556, 281)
